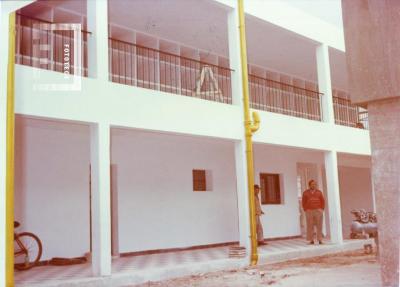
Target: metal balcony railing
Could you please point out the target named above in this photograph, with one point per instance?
(363, 119)
(350, 115)
(149, 68)
(277, 97)
(47, 49)
(135, 65)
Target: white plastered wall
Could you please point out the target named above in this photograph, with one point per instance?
(283, 161)
(354, 180)
(355, 193)
(157, 207)
(355, 189)
(52, 185)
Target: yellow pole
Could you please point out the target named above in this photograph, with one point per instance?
(251, 126)
(10, 156)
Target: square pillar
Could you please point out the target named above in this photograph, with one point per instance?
(332, 184)
(320, 183)
(240, 145)
(324, 83)
(242, 195)
(384, 117)
(371, 30)
(97, 22)
(234, 57)
(101, 214)
(373, 193)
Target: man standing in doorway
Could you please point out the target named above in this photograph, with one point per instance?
(313, 204)
(259, 212)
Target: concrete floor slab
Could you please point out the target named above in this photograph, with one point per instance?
(155, 267)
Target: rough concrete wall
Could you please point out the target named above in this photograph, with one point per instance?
(372, 48)
(384, 117)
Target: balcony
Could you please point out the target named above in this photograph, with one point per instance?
(350, 115)
(39, 47)
(145, 67)
(278, 97)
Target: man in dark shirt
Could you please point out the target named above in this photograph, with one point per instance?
(313, 204)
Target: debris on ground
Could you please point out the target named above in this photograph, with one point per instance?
(353, 268)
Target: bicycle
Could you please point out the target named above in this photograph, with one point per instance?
(27, 249)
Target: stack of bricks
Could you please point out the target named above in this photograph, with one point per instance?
(237, 251)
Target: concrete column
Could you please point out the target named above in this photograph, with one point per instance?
(242, 195)
(328, 115)
(240, 146)
(101, 215)
(333, 200)
(384, 118)
(3, 132)
(373, 193)
(234, 57)
(97, 22)
(320, 182)
(373, 61)
(324, 83)
(114, 212)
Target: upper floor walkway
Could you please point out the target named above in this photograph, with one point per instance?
(172, 68)
(144, 62)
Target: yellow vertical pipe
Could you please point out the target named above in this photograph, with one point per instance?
(249, 129)
(10, 156)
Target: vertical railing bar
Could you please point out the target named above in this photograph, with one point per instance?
(190, 79)
(119, 61)
(125, 63)
(155, 72)
(31, 46)
(171, 73)
(110, 64)
(142, 59)
(135, 58)
(19, 32)
(129, 55)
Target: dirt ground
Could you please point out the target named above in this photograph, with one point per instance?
(348, 269)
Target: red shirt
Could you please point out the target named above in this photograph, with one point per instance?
(313, 199)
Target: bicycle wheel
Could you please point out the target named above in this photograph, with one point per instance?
(28, 250)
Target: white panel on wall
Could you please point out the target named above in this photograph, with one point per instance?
(355, 193)
(269, 159)
(156, 203)
(52, 185)
(157, 206)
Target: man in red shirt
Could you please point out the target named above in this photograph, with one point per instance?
(313, 204)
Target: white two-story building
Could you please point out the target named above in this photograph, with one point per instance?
(144, 150)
